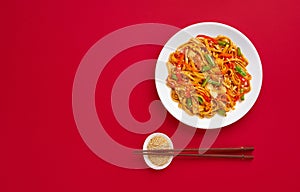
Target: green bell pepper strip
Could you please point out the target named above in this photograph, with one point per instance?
(174, 77)
(214, 82)
(239, 52)
(200, 100)
(221, 112)
(205, 81)
(189, 102)
(222, 43)
(205, 68)
(240, 70)
(242, 97)
(209, 60)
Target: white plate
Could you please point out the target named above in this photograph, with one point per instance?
(146, 158)
(211, 29)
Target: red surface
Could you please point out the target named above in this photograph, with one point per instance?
(43, 43)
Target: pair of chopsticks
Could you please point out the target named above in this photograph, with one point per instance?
(232, 152)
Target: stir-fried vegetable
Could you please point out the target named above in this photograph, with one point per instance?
(214, 82)
(200, 100)
(209, 38)
(225, 55)
(222, 43)
(205, 68)
(205, 81)
(240, 70)
(209, 60)
(174, 77)
(242, 97)
(189, 102)
(239, 52)
(221, 112)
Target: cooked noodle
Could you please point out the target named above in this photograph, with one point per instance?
(208, 76)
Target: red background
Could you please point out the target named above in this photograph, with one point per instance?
(43, 42)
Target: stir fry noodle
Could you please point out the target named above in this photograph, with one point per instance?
(208, 76)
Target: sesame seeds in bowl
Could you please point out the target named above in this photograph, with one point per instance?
(158, 141)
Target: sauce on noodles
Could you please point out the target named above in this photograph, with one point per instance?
(208, 76)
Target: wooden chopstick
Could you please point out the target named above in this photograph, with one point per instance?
(242, 156)
(223, 150)
(216, 152)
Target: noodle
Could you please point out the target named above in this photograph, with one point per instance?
(208, 76)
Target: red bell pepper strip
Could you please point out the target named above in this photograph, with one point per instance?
(180, 60)
(231, 65)
(205, 97)
(243, 80)
(225, 55)
(209, 38)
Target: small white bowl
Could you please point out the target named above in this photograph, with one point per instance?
(146, 158)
